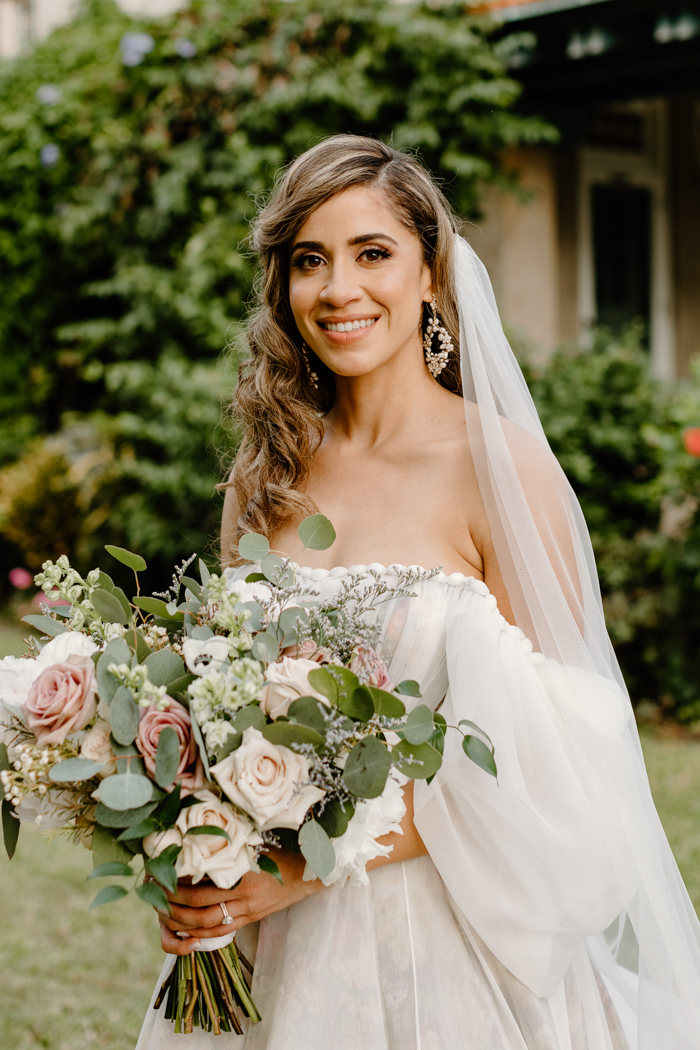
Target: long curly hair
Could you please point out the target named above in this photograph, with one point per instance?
(275, 405)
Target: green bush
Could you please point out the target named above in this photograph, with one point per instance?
(618, 433)
(127, 181)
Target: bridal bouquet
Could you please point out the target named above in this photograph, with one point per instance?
(198, 729)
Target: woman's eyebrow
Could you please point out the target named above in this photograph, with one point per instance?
(362, 239)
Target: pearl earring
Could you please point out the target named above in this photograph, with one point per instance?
(436, 361)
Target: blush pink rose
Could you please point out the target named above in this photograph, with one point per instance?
(190, 772)
(371, 669)
(62, 700)
(308, 650)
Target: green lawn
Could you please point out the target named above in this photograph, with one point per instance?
(73, 980)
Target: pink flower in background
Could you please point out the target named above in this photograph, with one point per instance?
(370, 668)
(691, 440)
(308, 650)
(190, 772)
(20, 578)
(62, 700)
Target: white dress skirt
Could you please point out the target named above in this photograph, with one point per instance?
(494, 941)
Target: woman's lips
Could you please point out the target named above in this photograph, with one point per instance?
(343, 338)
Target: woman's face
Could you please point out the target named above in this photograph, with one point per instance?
(357, 283)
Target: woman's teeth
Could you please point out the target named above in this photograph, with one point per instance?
(348, 326)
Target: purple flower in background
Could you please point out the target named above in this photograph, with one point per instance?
(49, 94)
(134, 47)
(185, 48)
(50, 154)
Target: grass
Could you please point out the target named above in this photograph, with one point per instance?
(77, 980)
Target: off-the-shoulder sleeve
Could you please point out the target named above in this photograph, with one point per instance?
(537, 860)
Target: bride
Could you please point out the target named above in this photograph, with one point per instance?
(540, 912)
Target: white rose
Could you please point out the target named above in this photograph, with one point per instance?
(97, 747)
(248, 592)
(205, 657)
(287, 681)
(265, 781)
(71, 643)
(222, 860)
(373, 818)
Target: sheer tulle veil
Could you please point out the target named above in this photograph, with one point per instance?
(651, 952)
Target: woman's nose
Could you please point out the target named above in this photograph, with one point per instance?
(340, 287)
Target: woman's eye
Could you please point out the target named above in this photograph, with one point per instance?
(374, 254)
(308, 262)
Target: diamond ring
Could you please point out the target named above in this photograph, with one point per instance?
(227, 919)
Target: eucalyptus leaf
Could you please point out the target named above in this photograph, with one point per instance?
(367, 768)
(358, 704)
(167, 756)
(197, 733)
(106, 849)
(477, 729)
(72, 770)
(122, 818)
(202, 633)
(104, 581)
(408, 688)
(156, 606)
(265, 648)
(10, 828)
(308, 711)
(268, 865)
(256, 615)
(110, 869)
(251, 715)
(254, 577)
(419, 761)
(64, 611)
(164, 667)
(277, 571)
(178, 688)
(132, 561)
(286, 733)
(125, 791)
(122, 750)
(289, 622)
(323, 682)
(152, 894)
(386, 703)
(194, 587)
(109, 607)
(118, 593)
(346, 681)
(131, 764)
(419, 725)
(136, 641)
(167, 813)
(124, 716)
(116, 652)
(316, 848)
(108, 895)
(253, 546)
(204, 573)
(46, 625)
(475, 749)
(335, 817)
(316, 533)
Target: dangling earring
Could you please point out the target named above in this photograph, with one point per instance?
(437, 361)
(312, 377)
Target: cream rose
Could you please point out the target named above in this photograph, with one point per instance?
(265, 781)
(97, 747)
(287, 681)
(62, 700)
(223, 860)
(70, 643)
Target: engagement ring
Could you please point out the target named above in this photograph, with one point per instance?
(227, 920)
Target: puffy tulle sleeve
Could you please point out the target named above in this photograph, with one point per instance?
(536, 860)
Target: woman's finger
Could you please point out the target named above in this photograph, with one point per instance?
(199, 896)
(206, 919)
(174, 945)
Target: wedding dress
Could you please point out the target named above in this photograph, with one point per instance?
(482, 945)
(549, 913)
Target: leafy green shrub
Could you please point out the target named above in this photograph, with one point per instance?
(618, 433)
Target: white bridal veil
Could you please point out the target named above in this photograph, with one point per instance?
(651, 951)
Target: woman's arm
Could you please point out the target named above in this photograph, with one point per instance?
(196, 909)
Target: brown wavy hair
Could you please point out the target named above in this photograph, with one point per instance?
(280, 413)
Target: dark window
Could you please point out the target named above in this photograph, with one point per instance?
(621, 244)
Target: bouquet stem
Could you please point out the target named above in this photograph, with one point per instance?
(208, 990)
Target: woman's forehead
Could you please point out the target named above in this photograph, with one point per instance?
(353, 215)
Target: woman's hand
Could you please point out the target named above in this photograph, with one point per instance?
(196, 910)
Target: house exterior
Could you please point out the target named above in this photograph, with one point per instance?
(611, 230)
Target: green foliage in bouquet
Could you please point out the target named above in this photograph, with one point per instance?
(127, 181)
